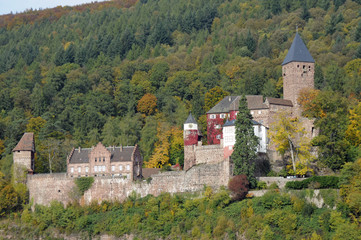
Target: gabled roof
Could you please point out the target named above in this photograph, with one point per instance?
(231, 103)
(26, 143)
(298, 52)
(118, 154)
(190, 119)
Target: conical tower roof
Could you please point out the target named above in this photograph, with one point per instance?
(298, 52)
(190, 119)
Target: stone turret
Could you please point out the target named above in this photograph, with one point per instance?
(298, 70)
(190, 137)
(23, 156)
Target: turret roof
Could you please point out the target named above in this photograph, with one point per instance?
(298, 52)
(190, 119)
(26, 143)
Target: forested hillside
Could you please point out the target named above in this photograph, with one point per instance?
(127, 73)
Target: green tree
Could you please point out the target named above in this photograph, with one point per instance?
(245, 148)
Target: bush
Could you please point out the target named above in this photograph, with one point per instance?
(261, 185)
(239, 187)
(315, 181)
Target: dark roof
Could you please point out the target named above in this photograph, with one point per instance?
(26, 143)
(298, 52)
(224, 105)
(148, 172)
(279, 101)
(233, 122)
(190, 119)
(231, 103)
(229, 123)
(118, 154)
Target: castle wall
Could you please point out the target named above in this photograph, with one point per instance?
(44, 188)
(209, 154)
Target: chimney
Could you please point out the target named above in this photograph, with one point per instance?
(121, 148)
(79, 150)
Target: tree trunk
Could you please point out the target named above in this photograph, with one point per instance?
(292, 156)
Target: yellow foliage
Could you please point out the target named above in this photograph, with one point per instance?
(353, 132)
(160, 155)
(288, 135)
(353, 66)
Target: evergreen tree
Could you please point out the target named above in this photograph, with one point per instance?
(244, 154)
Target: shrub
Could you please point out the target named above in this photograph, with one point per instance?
(239, 187)
(84, 183)
(261, 185)
(273, 186)
(323, 181)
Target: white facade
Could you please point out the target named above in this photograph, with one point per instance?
(229, 137)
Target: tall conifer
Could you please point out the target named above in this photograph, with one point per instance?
(244, 154)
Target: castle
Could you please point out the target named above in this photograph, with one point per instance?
(298, 73)
(115, 169)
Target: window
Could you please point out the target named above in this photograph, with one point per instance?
(103, 168)
(86, 169)
(79, 169)
(223, 115)
(128, 167)
(121, 168)
(259, 112)
(212, 116)
(113, 168)
(95, 168)
(95, 159)
(218, 136)
(252, 112)
(72, 170)
(218, 126)
(103, 159)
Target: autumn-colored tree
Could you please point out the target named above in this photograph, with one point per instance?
(176, 150)
(213, 96)
(306, 100)
(288, 135)
(160, 156)
(147, 105)
(353, 132)
(329, 111)
(239, 186)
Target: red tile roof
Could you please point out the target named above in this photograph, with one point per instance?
(26, 143)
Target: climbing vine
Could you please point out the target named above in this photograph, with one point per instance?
(84, 183)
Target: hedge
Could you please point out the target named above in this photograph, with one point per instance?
(316, 182)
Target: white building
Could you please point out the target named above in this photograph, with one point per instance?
(229, 137)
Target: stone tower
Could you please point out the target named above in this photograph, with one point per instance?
(190, 137)
(23, 156)
(298, 70)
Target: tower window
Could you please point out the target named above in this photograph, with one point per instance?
(304, 66)
(298, 66)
